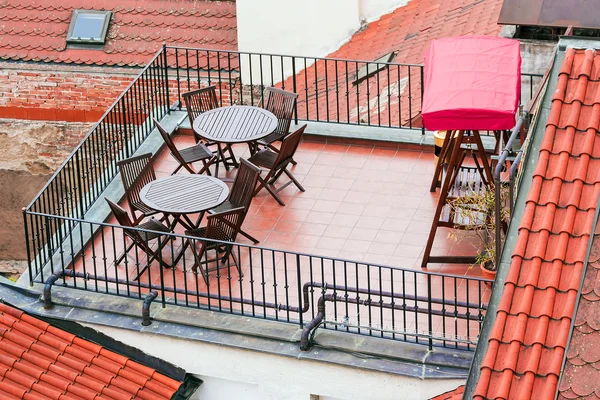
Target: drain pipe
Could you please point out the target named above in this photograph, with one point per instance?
(51, 281)
(498, 182)
(48, 289)
(306, 331)
(150, 297)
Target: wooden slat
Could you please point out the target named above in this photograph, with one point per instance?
(184, 194)
(235, 124)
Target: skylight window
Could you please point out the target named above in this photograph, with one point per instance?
(371, 69)
(88, 27)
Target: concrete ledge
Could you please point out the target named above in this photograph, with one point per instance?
(243, 332)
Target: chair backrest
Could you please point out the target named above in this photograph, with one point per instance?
(199, 101)
(282, 104)
(124, 220)
(288, 148)
(169, 141)
(243, 187)
(225, 225)
(136, 172)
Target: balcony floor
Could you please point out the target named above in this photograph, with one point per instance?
(370, 205)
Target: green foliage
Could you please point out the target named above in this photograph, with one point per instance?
(475, 212)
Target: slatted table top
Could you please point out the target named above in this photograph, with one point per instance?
(235, 124)
(184, 194)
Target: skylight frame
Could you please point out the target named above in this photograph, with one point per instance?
(93, 41)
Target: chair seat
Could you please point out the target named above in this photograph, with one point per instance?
(195, 153)
(201, 233)
(264, 158)
(152, 225)
(271, 138)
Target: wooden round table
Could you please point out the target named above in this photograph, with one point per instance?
(179, 195)
(234, 124)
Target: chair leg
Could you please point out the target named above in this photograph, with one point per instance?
(222, 157)
(246, 235)
(232, 156)
(298, 185)
(206, 166)
(124, 254)
(270, 190)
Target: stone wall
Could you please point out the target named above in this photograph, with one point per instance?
(31, 152)
(38, 147)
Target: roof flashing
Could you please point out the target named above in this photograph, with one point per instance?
(89, 27)
(372, 68)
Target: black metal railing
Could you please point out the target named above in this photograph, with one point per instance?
(369, 299)
(86, 173)
(354, 92)
(331, 90)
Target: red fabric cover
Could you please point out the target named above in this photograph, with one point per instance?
(472, 82)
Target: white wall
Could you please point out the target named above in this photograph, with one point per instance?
(371, 10)
(314, 28)
(304, 28)
(273, 377)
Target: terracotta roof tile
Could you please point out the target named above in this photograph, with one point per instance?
(529, 338)
(455, 394)
(408, 30)
(39, 361)
(37, 31)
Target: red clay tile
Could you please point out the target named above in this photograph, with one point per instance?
(83, 370)
(128, 42)
(529, 338)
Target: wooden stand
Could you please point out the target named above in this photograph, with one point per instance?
(458, 180)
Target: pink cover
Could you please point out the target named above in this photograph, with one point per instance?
(471, 82)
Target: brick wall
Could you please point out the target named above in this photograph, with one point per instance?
(58, 96)
(76, 96)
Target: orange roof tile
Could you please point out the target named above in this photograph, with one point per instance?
(39, 361)
(407, 30)
(37, 31)
(529, 338)
(455, 394)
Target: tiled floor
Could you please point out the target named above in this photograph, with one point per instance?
(370, 205)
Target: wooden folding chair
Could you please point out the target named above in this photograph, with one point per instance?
(186, 157)
(241, 192)
(224, 227)
(137, 172)
(198, 102)
(282, 104)
(141, 240)
(276, 164)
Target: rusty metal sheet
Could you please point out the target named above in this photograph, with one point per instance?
(557, 13)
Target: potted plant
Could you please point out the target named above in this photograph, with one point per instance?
(475, 212)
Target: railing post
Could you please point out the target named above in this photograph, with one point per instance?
(299, 279)
(422, 93)
(79, 184)
(124, 120)
(162, 277)
(295, 89)
(27, 249)
(166, 72)
(429, 315)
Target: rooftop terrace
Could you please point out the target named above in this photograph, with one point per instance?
(345, 255)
